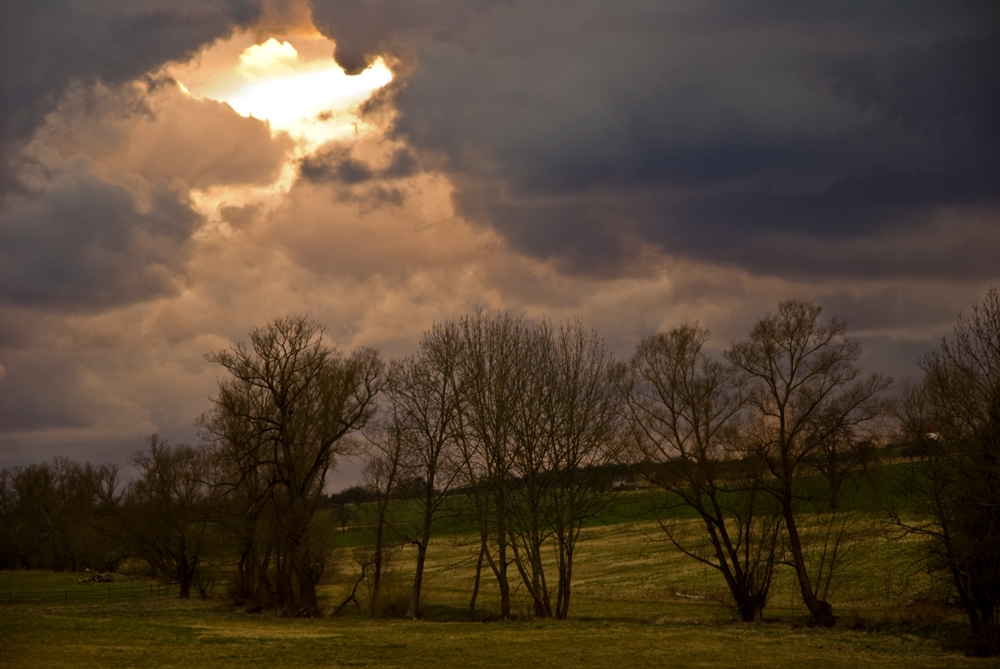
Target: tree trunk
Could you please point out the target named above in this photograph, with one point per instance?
(822, 612)
(751, 607)
(413, 612)
(308, 603)
(565, 579)
(475, 586)
(185, 576)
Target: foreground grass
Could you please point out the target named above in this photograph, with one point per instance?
(171, 633)
(637, 602)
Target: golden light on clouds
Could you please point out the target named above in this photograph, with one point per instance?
(294, 84)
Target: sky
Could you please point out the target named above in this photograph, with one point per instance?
(175, 172)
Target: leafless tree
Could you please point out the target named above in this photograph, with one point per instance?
(424, 399)
(805, 390)
(686, 411)
(242, 478)
(282, 418)
(953, 416)
(585, 433)
(541, 421)
(382, 474)
(494, 377)
(532, 474)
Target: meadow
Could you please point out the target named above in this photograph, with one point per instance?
(637, 602)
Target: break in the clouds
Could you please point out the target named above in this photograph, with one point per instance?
(781, 137)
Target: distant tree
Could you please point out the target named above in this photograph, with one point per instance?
(279, 422)
(686, 411)
(165, 512)
(51, 517)
(343, 505)
(841, 459)
(8, 520)
(954, 416)
(805, 391)
(382, 473)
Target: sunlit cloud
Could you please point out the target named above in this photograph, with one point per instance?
(303, 93)
(294, 84)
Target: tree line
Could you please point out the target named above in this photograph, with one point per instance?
(516, 426)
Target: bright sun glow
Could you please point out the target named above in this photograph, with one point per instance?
(309, 97)
(298, 88)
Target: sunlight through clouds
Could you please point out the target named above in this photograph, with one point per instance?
(294, 84)
(307, 95)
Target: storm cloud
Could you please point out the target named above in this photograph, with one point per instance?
(86, 242)
(46, 46)
(746, 133)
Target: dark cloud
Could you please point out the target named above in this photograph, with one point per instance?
(47, 45)
(336, 164)
(240, 217)
(89, 243)
(41, 393)
(365, 30)
(579, 129)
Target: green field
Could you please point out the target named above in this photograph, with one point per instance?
(637, 602)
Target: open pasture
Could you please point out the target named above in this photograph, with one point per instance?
(637, 602)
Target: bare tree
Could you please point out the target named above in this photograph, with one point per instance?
(241, 476)
(686, 417)
(494, 376)
(424, 398)
(805, 390)
(585, 434)
(382, 474)
(282, 417)
(531, 479)
(541, 421)
(954, 417)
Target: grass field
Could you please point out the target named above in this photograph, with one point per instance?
(637, 602)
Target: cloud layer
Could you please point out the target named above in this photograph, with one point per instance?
(729, 132)
(635, 164)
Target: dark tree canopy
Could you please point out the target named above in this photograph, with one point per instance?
(954, 417)
(279, 421)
